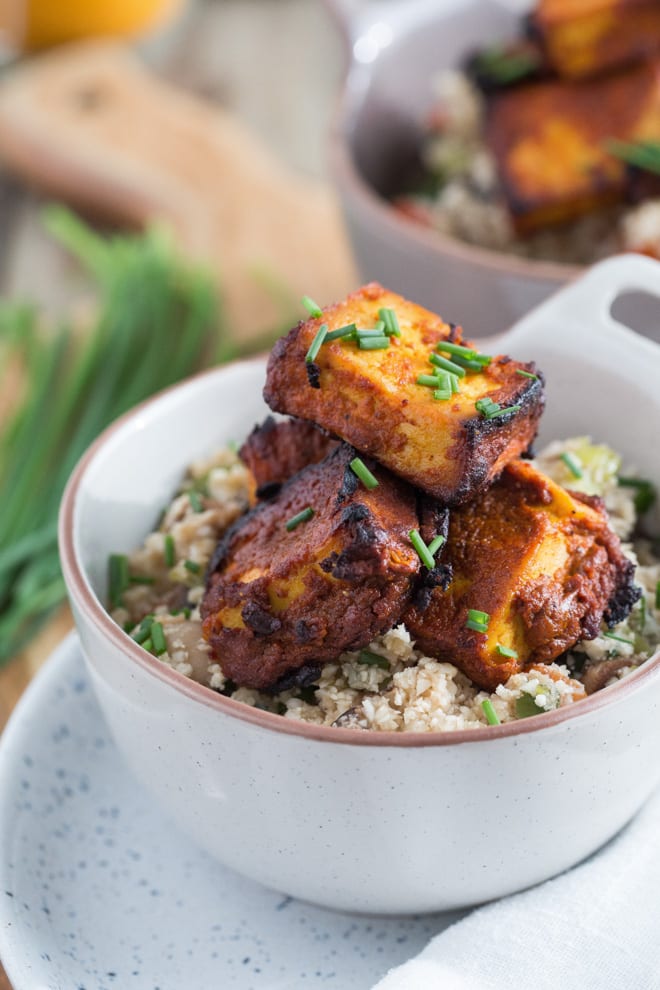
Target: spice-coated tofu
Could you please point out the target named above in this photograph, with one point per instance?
(281, 601)
(541, 563)
(583, 38)
(371, 398)
(550, 142)
(276, 450)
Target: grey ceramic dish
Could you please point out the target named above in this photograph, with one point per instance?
(394, 49)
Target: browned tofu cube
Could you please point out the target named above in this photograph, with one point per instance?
(539, 564)
(550, 142)
(583, 38)
(322, 567)
(372, 399)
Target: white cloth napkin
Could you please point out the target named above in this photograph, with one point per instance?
(596, 927)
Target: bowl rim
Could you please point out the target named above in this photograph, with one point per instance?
(81, 593)
(348, 177)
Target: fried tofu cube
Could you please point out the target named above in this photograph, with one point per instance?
(287, 593)
(550, 142)
(541, 564)
(582, 38)
(372, 399)
(278, 449)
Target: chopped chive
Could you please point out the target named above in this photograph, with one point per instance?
(423, 551)
(169, 551)
(446, 365)
(391, 321)
(642, 610)
(158, 639)
(645, 493)
(299, 518)
(141, 579)
(443, 394)
(192, 566)
(117, 577)
(376, 331)
(147, 645)
(312, 308)
(143, 630)
(657, 595)
(468, 365)
(374, 343)
(128, 626)
(572, 464)
(507, 409)
(185, 612)
(526, 706)
(453, 380)
(460, 349)
(477, 621)
(489, 712)
(315, 346)
(505, 651)
(195, 501)
(526, 374)
(432, 381)
(346, 331)
(435, 544)
(359, 468)
(619, 639)
(373, 660)
(490, 409)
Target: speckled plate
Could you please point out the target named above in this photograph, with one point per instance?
(98, 891)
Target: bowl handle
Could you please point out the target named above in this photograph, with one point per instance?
(579, 315)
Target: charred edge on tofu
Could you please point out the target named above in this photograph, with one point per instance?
(313, 374)
(626, 594)
(303, 677)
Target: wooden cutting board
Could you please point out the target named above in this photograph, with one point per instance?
(90, 125)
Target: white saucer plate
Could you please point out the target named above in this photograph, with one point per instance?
(99, 892)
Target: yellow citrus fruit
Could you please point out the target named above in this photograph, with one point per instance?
(36, 24)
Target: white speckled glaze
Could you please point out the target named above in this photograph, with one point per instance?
(374, 822)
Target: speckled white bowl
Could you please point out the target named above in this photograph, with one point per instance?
(373, 822)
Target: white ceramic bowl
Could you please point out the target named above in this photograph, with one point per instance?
(374, 822)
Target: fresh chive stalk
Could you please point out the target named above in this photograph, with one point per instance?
(373, 660)
(645, 493)
(477, 621)
(489, 712)
(447, 365)
(506, 651)
(380, 343)
(526, 374)
(169, 551)
(159, 643)
(312, 308)
(435, 544)
(423, 551)
(192, 566)
(391, 322)
(431, 381)
(619, 639)
(359, 468)
(118, 578)
(348, 331)
(299, 518)
(657, 595)
(572, 463)
(143, 631)
(315, 346)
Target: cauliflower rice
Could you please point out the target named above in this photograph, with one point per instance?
(391, 686)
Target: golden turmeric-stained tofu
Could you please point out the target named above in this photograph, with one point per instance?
(371, 396)
(278, 449)
(322, 567)
(528, 569)
(550, 142)
(583, 38)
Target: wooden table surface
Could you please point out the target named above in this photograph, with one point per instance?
(276, 63)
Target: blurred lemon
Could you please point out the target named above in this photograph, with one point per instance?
(33, 24)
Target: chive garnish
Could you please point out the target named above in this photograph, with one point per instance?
(465, 355)
(192, 566)
(526, 706)
(490, 409)
(489, 712)
(147, 645)
(645, 493)
(141, 579)
(117, 577)
(379, 343)
(572, 464)
(477, 621)
(505, 651)
(391, 321)
(644, 155)
(453, 380)
(359, 468)
(315, 346)
(373, 660)
(143, 630)
(377, 331)
(312, 308)
(469, 365)
(195, 501)
(447, 365)
(435, 544)
(158, 639)
(169, 551)
(432, 381)
(348, 331)
(499, 66)
(526, 374)
(443, 394)
(657, 595)
(299, 518)
(423, 551)
(619, 639)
